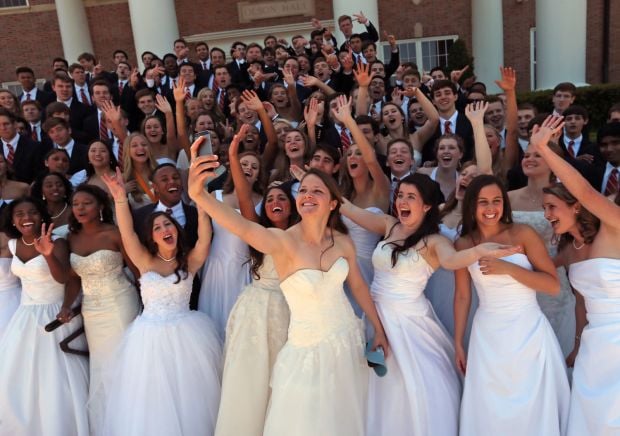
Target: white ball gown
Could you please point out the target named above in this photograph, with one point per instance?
(224, 275)
(421, 392)
(110, 303)
(365, 243)
(10, 290)
(595, 396)
(43, 390)
(166, 377)
(320, 377)
(560, 309)
(256, 331)
(515, 382)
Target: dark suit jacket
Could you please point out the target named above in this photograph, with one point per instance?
(79, 157)
(43, 97)
(586, 147)
(91, 128)
(28, 159)
(79, 112)
(463, 129)
(371, 34)
(239, 75)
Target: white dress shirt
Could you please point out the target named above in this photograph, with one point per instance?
(177, 212)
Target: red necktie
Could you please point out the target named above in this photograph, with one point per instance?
(11, 155)
(188, 94)
(571, 149)
(120, 88)
(84, 97)
(345, 141)
(611, 187)
(34, 135)
(220, 100)
(446, 127)
(120, 154)
(103, 130)
(393, 210)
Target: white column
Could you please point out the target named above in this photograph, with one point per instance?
(370, 8)
(74, 30)
(154, 26)
(560, 42)
(488, 41)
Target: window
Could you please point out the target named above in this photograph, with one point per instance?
(426, 53)
(13, 3)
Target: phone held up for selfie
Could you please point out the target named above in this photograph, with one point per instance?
(207, 149)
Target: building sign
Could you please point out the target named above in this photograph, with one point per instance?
(251, 11)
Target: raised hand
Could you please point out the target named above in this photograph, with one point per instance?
(311, 112)
(508, 80)
(271, 110)
(391, 39)
(178, 90)
(288, 76)
(361, 18)
(309, 81)
(456, 75)
(115, 185)
(163, 104)
(342, 112)
(44, 244)
(397, 96)
(112, 113)
(227, 128)
(362, 75)
(347, 61)
(297, 172)
(327, 50)
(233, 148)
(541, 135)
(134, 79)
(251, 100)
(316, 24)
(410, 92)
(475, 111)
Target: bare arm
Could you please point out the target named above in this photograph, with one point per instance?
(580, 323)
(462, 304)
(376, 223)
(243, 190)
(179, 98)
(451, 259)
(291, 90)
(251, 100)
(424, 133)
(55, 253)
(511, 152)
(171, 137)
(607, 211)
(475, 114)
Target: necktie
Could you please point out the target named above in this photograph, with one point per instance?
(393, 211)
(11, 155)
(611, 187)
(345, 141)
(168, 211)
(204, 65)
(120, 87)
(34, 134)
(446, 127)
(571, 148)
(84, 97)
(120, 154)
(103, 130)
(188, 94)
(27, 96)
(220, 100)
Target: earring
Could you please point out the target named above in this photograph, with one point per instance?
(43, 197)
(100, 214)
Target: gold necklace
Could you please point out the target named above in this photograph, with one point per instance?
(164, 259)
(580, 247)
(27, 244)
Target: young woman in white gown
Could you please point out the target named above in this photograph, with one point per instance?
(258, 322)
(166, 376)
(594, 271)
(110, 301)
(421, 392)
(320, 376)
(43, 390)
(515, 377)
(10, 286)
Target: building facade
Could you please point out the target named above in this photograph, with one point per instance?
(546, 41)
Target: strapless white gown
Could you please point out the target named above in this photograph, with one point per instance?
(166, 376)
(515, 382)
(559, 310)
(224, 275)
(320, 377)
(110, 303)
(595, 397)
(365, 243)
(256, 331)
(10, 291)
(43, 390)
(440, 292)
(420, 395)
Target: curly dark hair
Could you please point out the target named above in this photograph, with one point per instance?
(182, 250)
(256, 257)
(37, 187)
(430, 225)
(587, 223)
(6, 218)
(102, 199)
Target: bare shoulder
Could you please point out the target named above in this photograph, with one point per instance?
(463, 243)
(425, 170)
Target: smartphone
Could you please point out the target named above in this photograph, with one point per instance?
(206, 149)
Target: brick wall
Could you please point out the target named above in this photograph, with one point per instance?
(519, 18)
(110, 29)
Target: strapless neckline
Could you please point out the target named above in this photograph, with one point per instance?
(315, 269)
(95, 252)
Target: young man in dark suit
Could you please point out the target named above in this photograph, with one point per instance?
(23, 155)
(59, 131)
(345, 23)
(238, 67)
(94, 125)
(26, 78)
(575, 141)
(63, 87)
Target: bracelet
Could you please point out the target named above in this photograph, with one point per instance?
(578, 337)
(120, 202)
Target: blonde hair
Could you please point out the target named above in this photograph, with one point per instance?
(128, 166)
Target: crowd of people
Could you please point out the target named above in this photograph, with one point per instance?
(230, 242)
